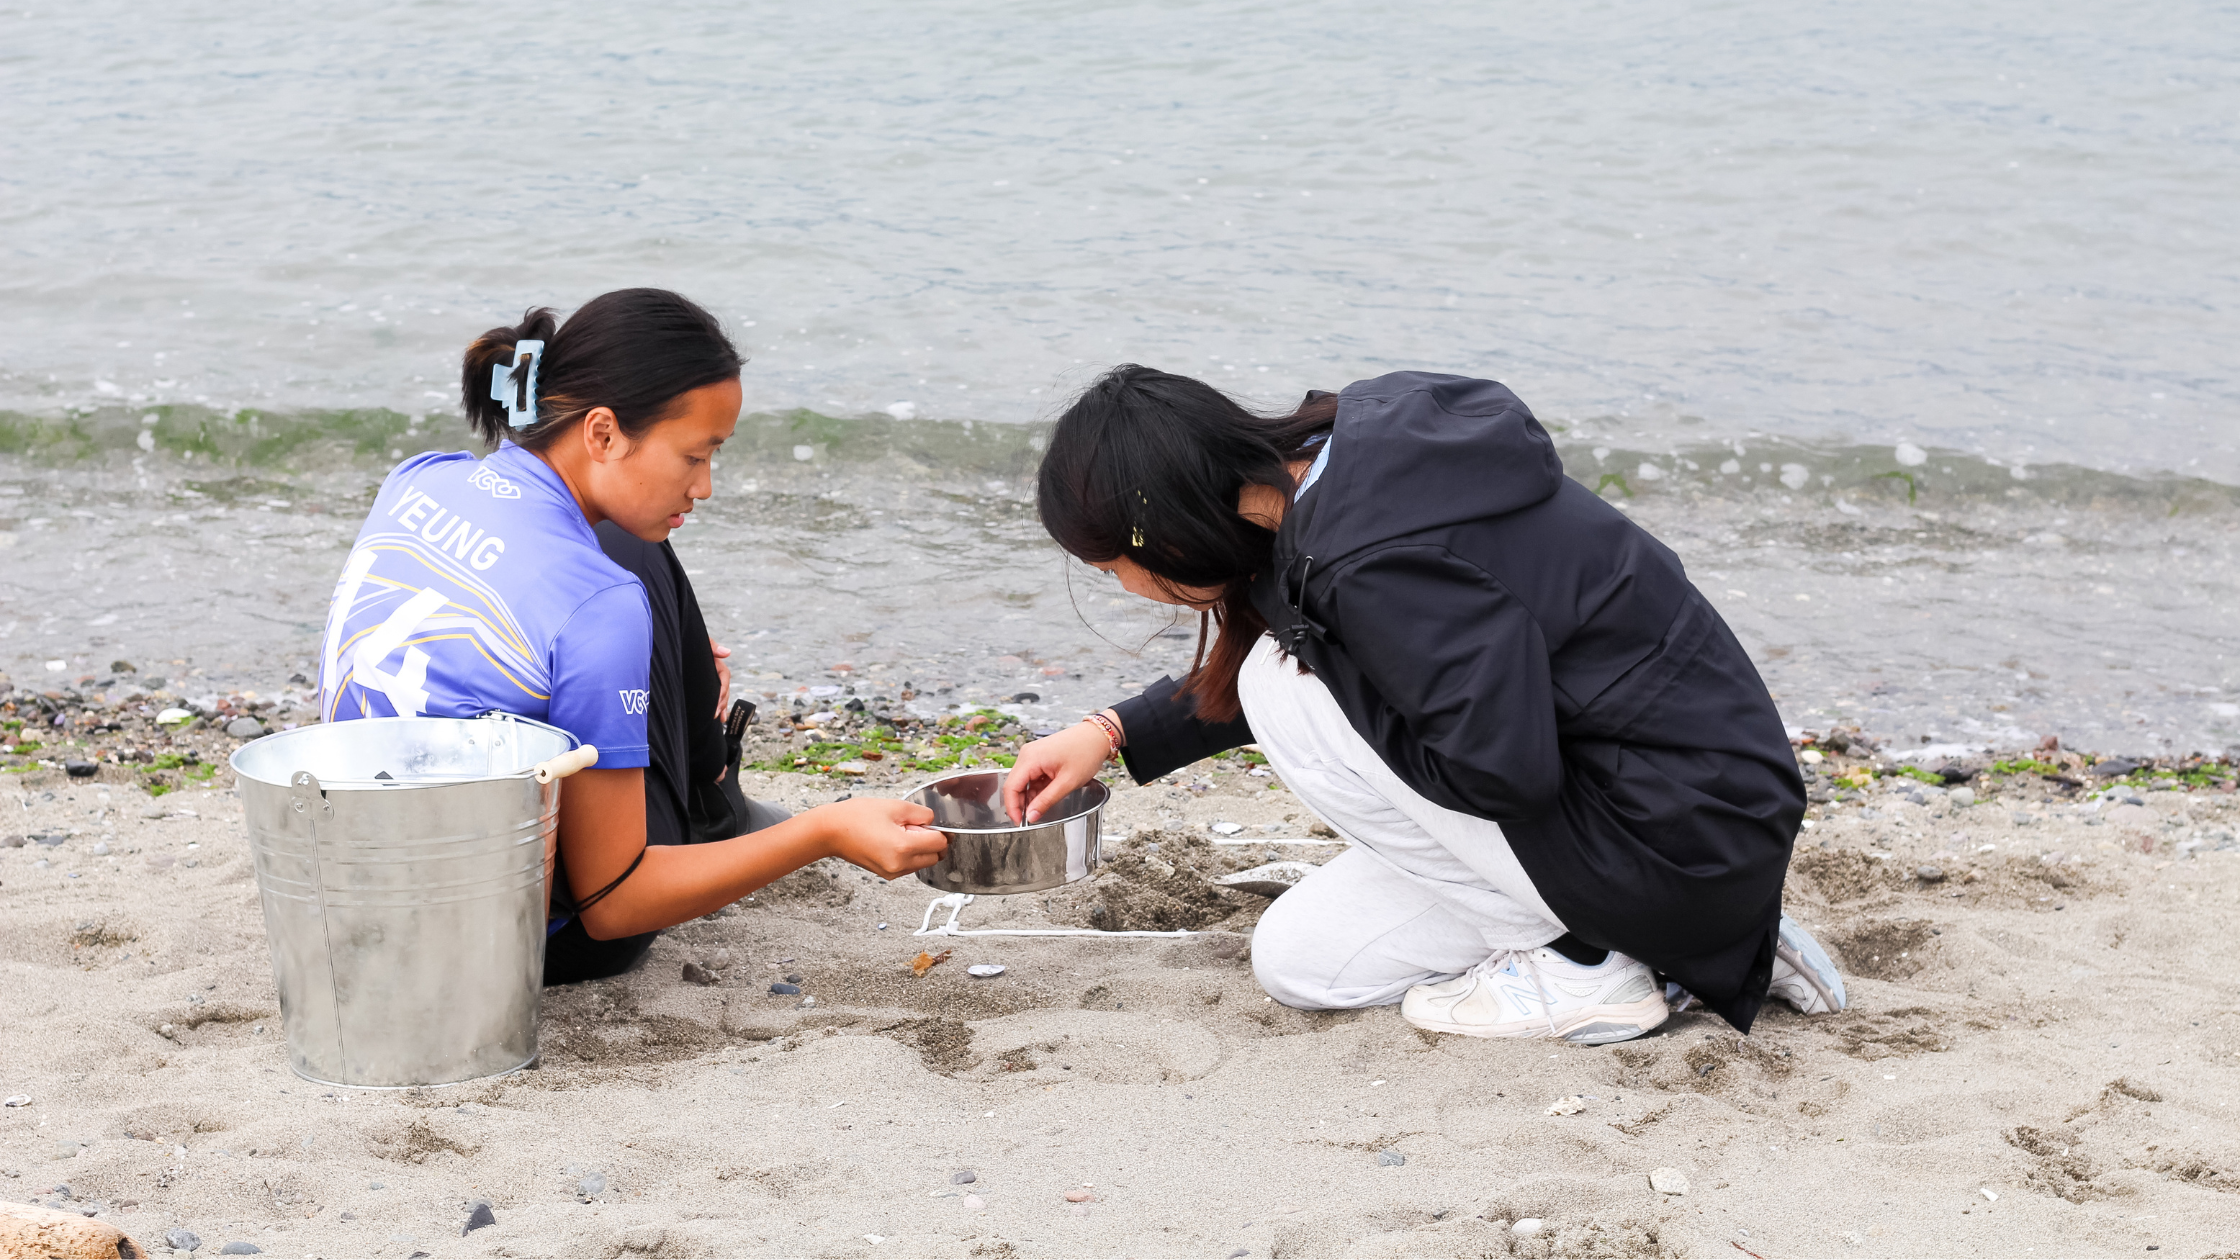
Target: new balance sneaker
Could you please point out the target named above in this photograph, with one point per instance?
(1540, 993)
(1803, 976)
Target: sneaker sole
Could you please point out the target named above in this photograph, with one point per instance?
(1811, 963)
(1592, 1026)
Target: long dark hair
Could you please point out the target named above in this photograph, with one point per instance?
(632, 351)
(1148, 465)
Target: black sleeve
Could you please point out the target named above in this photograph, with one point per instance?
(1463, 667)
(1165, 732)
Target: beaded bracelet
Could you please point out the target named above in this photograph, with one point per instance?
(1110, 728)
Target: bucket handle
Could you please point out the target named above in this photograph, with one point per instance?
(567, 763)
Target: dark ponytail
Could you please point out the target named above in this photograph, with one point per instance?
(632, 351)
(1148, 465)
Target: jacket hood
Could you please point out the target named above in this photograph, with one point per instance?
(1413, 451)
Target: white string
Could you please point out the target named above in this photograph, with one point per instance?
(956, 903)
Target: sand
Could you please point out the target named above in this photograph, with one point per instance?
(2060, 1032)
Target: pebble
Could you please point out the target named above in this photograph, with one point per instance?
(18, 1100)
(1226, 828)
(793, 979)
(376, 1185)
(480, 1218)
(1961, 796)
(963, 1177)
(974, 1203)
(101, 848)
(241, 1249)
(173, 717)
(155, 811)
(50, 839)
(1929, 874)
(1080, 1196)
(984, 971)
(1668, 1181)
(80, 769)
(1390, 1159)
(807, 1002)
(592, 1186)
(1528, 1226)
(694, 973)
(786, 989)
(245, 728)
(722, 958)
(1568, 1105)
(183, 1240)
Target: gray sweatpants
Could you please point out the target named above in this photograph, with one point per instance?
(1422, 894)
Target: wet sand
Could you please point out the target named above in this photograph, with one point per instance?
(2053, 1022)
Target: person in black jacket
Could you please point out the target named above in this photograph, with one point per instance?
(1561, 774)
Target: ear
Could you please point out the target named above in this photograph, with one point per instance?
(603, 439)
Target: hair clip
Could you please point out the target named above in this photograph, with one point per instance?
(516, 386)
(1135, 538)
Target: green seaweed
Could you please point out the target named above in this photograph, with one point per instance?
(1613, 479)
(1912, 486)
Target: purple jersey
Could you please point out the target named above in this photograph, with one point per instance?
(477, 585)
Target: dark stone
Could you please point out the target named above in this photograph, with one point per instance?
(50, 839)
(694, 973)
(1929, 874)
(299, 680)
(787, 990)
(1027, 697)
(963, 1177)
(80, 769)
(127, 667)
(853, 706)
(481, 1216)
(241, 1249)
(2113, 768)
(793, 979)
(183, 1240)
(1956, 772)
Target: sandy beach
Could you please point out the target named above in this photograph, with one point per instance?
(2041, 1058)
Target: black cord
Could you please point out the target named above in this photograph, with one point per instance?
(597, 897)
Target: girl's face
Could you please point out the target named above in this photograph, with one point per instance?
(647, 486)
(1137, 580)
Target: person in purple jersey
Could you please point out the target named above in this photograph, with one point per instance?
(539, 582)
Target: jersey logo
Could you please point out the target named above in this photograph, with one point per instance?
(633, 702)
(499, 487)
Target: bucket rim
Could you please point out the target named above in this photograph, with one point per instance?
(1104, 798)
(241, 773)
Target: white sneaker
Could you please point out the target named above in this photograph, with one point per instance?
(1803, 976)
(1540, 993)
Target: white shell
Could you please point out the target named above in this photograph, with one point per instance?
(983, 970)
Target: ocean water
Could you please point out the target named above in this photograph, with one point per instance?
(1950, 288)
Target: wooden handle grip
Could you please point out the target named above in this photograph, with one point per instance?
(567, 763)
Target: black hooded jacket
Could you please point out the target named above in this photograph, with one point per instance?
(1516, 649)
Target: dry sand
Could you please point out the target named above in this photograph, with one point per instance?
(2061, 1033)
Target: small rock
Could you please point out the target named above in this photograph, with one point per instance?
(100, 848)
(963, 1177)
(721, 959)
(245, 728)
(376, 1185)
(155, 811)
(1528, 1226)
(852, 767)
(694, 973)
(1929, 874)
(1080, 1196)
(1239, 1253)
(183, 1240)
(1668, 1181)
(807, 1002)
(974, 1203)
(18, 1100)
(174, 717)
(481, 1217)
(51, 839)
(984, 971)
(1390, 1159)
(241, 1249)
(784, 989)
(1226, 828)
(793, 979)
(1961, 796)
(1988, 1193)
(1568, 1105)
(80, 769)
(592, 1186)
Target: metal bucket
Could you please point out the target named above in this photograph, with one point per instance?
(989, 855)
(403, 864)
